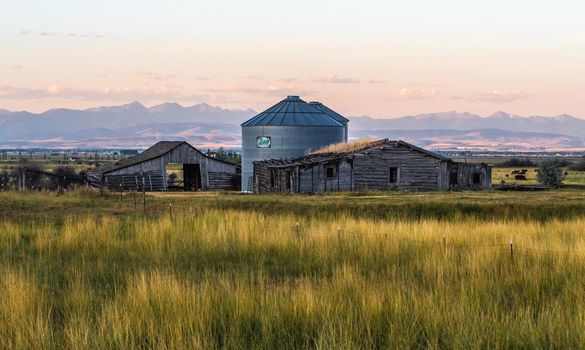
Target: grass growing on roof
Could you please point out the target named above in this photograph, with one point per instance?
(349, 147)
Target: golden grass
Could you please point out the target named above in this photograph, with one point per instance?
(24, 312)
(235, 278)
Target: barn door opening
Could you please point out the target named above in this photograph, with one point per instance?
(192, 177)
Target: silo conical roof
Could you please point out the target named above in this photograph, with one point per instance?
(293, 111)
(338, 117)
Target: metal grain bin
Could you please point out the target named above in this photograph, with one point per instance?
(290, 128)
(338, 117)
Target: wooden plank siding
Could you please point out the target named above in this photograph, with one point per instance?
(465, 176)
(369, 169)
(221, 180)
(215, 174)
(417, 172)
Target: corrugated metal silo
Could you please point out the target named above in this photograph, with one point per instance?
(343, 120)
(288, 129)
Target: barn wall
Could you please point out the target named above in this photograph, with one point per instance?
(318, 178)
(149, 165)
(219, 166)
(220, 174)
(369, 170)
(214, 173)
(221, 181)
(306, 174)
(346, 173)
(331, 185)
(443, 176)
(261, 177)
(147, 181)
(465, 174)
(417, 171)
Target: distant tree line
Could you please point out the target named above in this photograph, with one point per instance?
(528, 163)
(517, 163)
(31, 176)
(578, 166)
(228, 156)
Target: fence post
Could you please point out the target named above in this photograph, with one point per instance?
(339, 241)
(511, 250)
(143, 195)
(120, 188)
(171, 211)
(134, 197)
(445, 243)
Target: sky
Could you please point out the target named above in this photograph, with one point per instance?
(375, 58)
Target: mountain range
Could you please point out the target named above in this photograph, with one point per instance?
(135, 126)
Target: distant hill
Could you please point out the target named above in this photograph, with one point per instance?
(562, 124)
(24, 128)
(134, 125)
(481, 139)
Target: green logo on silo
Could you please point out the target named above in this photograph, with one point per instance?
(263, 142)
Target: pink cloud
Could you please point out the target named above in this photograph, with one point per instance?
(416, 93)
(253, 77)
(108, 93)
(334, 79)
(270, 90)
(495, 96)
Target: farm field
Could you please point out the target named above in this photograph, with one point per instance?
(221, 270)
(502, 176)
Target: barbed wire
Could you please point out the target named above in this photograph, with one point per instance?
(511, 247)
(301, 232)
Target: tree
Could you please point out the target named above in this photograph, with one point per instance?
(579, 166)
(228, 156)
(33, 179)
(517, 163)
(64, 179)
(4, 180)
(551, 172)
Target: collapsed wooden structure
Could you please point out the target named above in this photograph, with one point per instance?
(147, 171)
(376, 165)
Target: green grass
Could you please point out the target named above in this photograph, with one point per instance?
(369, 270)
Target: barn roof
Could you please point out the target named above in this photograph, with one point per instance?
(347, 150)
(157, 150)
(293, 111)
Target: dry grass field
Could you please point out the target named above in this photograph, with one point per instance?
(369, 270)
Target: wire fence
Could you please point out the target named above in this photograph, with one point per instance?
(140, 205)
(511, 247)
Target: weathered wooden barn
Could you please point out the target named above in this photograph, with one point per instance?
(148, 170)
(374, 165)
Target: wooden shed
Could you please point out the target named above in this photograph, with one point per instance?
(372, 165)
(148, 170)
